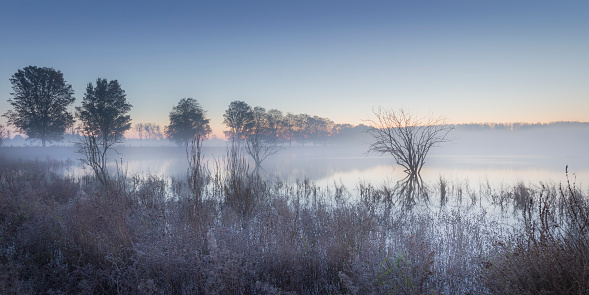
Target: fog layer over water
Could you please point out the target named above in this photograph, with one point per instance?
(495, 155)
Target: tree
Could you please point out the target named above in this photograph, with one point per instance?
(302, 130)
(276, 122)
(187, 120)
(103, 122)
(152, 131)
(239, 117)
(319, 129)
(40, 100)
(148, 131)
(4, 134)
(139, 128)
(288, 127)
(262, 137)
(407, 138)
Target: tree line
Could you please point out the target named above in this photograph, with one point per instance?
(41, 97)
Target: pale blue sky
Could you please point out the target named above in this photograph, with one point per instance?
(472, 61)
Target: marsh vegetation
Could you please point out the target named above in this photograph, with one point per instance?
(221, 229)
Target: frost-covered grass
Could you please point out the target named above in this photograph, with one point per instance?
(231, 232)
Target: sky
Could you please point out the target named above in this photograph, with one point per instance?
(471, 61)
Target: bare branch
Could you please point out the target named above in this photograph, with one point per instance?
(406, 137)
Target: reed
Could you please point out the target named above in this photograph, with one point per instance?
(142, 235)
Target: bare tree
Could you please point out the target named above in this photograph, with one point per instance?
(406, 137)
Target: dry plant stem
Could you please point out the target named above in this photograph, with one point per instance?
(197, 171)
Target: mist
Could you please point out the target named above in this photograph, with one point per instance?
(474, 151)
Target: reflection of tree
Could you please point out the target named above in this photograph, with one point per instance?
(409, 190)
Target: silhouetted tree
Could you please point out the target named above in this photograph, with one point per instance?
(407, 138)
(276, 122)
(153, 131)
(187, 120)
(312, 129)
(103, 122)
(239, 117)
(4, 134)
(139, 129)
(350, 135)
(288, 127)
(40, 100)
(262, 137)
(148, 130)
(301, 128)
(319, 129)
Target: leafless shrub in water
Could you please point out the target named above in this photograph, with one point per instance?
(406, 137)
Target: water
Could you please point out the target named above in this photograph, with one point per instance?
(325, 165)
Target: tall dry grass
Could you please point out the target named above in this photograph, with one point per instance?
(237, 233)
(549, 254)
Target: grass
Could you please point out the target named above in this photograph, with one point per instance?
(231, 232)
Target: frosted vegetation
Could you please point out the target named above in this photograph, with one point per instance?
(222, 229)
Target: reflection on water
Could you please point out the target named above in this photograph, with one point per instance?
(411, 190)
(326, 165)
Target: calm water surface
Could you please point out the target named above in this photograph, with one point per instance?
(349, 166)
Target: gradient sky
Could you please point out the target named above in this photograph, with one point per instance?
(472, 61)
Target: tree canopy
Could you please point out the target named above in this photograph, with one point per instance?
(40, 99)
(103, 111)
(187, 120)
(239, 117)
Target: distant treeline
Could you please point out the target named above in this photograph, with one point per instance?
(292, 129)
(42, 102)
(332, 133)
(520, 126)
